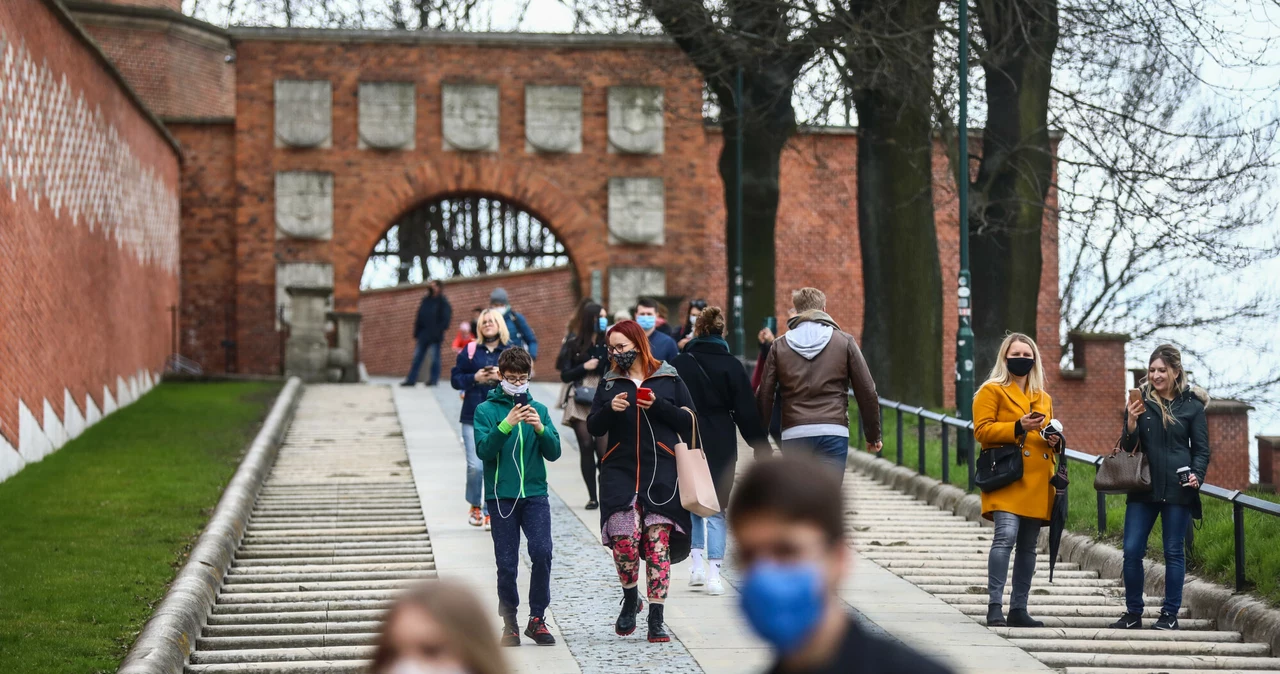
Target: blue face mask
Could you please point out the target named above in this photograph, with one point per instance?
(604, 324)
(647, 323)
(783, 603)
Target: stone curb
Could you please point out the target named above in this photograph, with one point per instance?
(170, 634)
(1258, 622)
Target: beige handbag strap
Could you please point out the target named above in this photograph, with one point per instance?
(695, 439)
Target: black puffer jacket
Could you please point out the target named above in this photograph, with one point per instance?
(640, 462)
(1168, 448)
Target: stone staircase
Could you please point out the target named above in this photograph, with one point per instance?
(946, 555)
(336, 534)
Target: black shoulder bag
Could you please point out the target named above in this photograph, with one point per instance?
(999, 467)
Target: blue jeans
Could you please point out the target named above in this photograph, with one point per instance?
(709, 534)
(475, 469)
(421, 353)
(829, 449)
(1012, 531)
(1139, 519)
(533, 516)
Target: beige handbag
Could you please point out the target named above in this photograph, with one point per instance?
(693, 475)
(1123, 472)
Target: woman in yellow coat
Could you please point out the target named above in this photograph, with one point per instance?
(1010, 408)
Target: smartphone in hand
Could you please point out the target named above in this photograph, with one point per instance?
(1134, 395)
(522, 398)
(644, 394)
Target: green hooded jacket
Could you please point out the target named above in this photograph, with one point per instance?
(510, 454)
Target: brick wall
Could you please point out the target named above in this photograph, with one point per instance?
(178, 66)
(1089, 399)
(1229, 443)
(88, 242)
(547, 299)
(1269, 462)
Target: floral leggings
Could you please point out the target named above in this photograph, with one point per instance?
(655, 545)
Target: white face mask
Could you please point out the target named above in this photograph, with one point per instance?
(504, 309)
(512, 389)
(416, 667)
(693, 318)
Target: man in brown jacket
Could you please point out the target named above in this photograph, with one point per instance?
(812, 367)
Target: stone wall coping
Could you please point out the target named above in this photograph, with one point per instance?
(69, 22)
(140, 12)
(1273, 439)
(406, 287)
(170, 634)
(1227, 406)
(1098, 336)
(508, 39)
(199, 120)
(1254, 619)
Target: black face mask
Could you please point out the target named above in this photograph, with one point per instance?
(1020, 367)
(624, 360)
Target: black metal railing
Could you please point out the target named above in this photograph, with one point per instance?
(963, 430)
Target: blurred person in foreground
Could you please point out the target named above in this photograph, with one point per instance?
(437, 628)
(787, 517)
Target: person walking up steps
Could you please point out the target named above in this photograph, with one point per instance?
(583, 356)
(517, 327)
(643, 407)
(434, 316)
(722, 396)
(813, 366)
(514, 436)
(1010, 408)
(475, 374)
(1165, 420)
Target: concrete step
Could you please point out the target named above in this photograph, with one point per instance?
(1041, 601)
(303, 534)
(929, 567)
(1143, 647)
(1161, 663)
(1038, 590)
(1041, 580)
(337, 548)
(257, 582)
(282, 654)
(228, 598)
(235, 589)
(335, 537)
(280, 629)
(297, 667)
(332, 569)
(305, 558)
(257, 642)
(282, 617)
(1109, 612)
(1102, 622)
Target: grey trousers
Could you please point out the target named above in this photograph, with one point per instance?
(1018, 535)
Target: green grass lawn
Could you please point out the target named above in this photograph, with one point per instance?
(1212, 555)
(91, 536)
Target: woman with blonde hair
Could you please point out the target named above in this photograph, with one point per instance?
(1167, 423)
(475, 373)
(436, 628)
(1010, 408)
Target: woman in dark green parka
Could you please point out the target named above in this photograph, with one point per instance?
(1168, 425)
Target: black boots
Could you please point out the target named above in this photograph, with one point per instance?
(510, 632)
(631, 605)
(1019, 617)
(995, 616)
(657, 635)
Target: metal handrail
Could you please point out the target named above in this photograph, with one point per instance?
(1239, 500)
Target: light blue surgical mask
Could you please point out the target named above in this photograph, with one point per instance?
(604, 324)
(783, 603)
(647, 323)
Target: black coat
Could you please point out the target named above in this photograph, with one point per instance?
(1168, 448)
(640, 462)
(723, 397)
(434, 316)
(570, 361)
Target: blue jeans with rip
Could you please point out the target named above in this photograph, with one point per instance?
(1139, 520)
(709, 533)
(531, 515)
(420, 354)
(475, 469)
(829, 449)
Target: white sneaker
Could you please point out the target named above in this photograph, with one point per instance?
(715, 587)
(698, 578)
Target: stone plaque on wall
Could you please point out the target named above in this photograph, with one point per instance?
(628, 284)
(303, 113)
(553, 118)
(635, 120)
(387, 114)
(470, 117)
(304, 205)
(637, 211)
(303, 274)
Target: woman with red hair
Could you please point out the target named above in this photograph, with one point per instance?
(644, 408)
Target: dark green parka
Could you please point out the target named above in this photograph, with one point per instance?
(1184, 442)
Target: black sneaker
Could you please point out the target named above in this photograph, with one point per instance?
(995, 616)
(510, 633)
(1167, 621)
(593, 504)
(408, 384)
(1019, 617)
(1128, 621)
(631, 605)
(537, 630)
(657, 635)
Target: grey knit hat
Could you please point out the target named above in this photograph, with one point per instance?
(499, 296)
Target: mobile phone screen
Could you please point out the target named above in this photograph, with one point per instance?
(645, 394)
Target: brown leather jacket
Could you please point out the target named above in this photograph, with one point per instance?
(815, 389)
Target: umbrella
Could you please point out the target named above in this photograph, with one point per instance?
(1058, 518)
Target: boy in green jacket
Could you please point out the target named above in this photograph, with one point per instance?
(514, 435)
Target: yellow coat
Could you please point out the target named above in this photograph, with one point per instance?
(996, 409)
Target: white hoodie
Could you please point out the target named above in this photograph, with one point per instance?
(809, 338)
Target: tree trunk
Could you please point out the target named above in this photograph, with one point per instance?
(1014, 175)
(901, 271)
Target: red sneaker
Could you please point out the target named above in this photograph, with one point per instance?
(537, 630)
